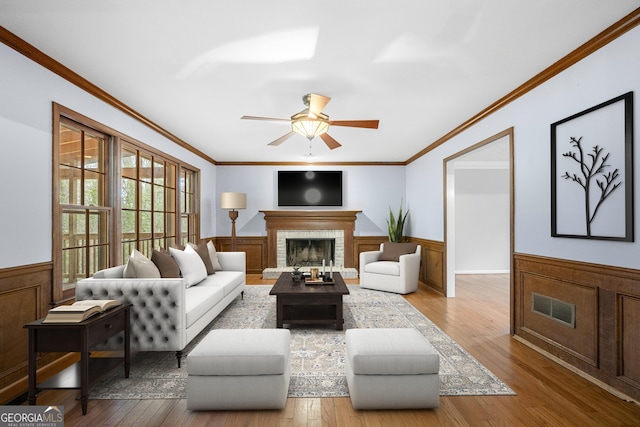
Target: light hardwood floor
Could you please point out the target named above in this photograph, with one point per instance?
(477, 318)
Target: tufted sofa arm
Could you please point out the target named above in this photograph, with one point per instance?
(158, 312)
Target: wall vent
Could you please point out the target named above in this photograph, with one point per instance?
(555, 309)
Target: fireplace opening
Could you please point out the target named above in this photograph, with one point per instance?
(310, 252)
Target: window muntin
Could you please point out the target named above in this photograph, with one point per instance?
(148, 188)
(84, 215)
(85, 242)
(189, 218)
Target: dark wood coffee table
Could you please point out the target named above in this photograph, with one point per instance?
(300, 303)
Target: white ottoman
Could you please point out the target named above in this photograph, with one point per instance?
(239, 369)
(391, 369)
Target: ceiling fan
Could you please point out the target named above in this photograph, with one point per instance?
(312, 122)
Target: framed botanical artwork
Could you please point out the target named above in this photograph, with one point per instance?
(592, 172)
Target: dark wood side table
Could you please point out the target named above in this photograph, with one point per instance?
(78, 337)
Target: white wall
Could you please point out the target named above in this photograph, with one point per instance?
(609, 72)
(27, 91)
(482, 221)
(370, 189)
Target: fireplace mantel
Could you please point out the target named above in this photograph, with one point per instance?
(310, 220)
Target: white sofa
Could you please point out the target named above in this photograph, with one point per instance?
(394, 268)
(166, 315)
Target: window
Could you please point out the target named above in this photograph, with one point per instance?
(189, 219)
(82, 201)
(148, 200)
(110, 195)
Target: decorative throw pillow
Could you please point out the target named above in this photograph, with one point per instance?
(191, 265)
(110, 273)
(392, 251)
(166, 264)
(214, 256)
(203, 251)
(139, 266)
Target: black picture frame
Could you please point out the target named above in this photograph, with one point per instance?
(592, 173)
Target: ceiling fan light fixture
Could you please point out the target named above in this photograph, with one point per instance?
(308, 127)
(311, 122)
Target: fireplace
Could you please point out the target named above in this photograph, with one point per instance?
(282, 225)
(308, 248)
(310, 252)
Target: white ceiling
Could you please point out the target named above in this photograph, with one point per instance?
(422, 67)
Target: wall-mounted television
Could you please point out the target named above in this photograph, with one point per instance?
(309, 188)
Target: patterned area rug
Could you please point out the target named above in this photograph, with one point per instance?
(317, 352)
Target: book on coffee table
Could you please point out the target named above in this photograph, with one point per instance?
(79, 310)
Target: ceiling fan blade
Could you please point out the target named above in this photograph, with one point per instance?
(331, 143)
(265, 118)
(282, 139)
(369, 124)
(317, 103)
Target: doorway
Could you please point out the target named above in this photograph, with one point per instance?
(479, 209)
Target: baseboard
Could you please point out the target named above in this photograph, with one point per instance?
(18, 389)
(482, 272)
(577, 371)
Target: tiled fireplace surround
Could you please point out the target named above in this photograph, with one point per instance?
(282, 225)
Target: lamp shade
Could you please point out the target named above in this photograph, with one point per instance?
(233, 200)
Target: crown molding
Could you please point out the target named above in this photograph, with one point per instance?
(36, 55)
(311, 163)
(624, 25)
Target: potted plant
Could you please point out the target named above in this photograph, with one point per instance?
(396, 225)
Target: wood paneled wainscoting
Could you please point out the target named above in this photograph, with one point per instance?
(255, 247)
(431, 266)
(25, 295)
(587, 315)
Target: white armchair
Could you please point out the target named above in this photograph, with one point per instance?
(394, 268)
